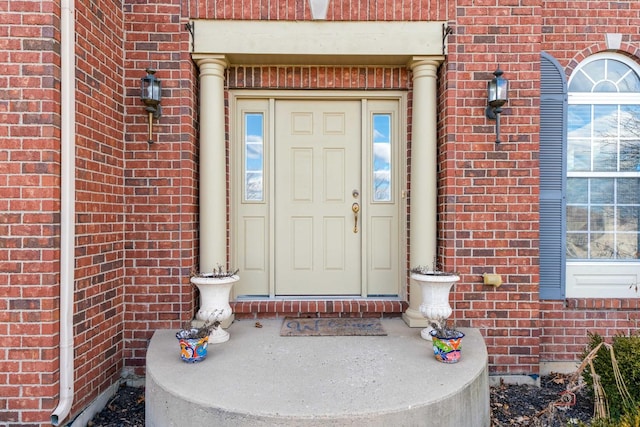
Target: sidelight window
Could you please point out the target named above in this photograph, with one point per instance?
(382, 158)
(253, 167)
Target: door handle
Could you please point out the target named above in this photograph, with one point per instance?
(355, 208)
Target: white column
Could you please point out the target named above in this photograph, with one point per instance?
(213, 173)
(423, 178)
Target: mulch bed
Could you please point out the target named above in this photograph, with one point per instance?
(546, 406)
(126, 408)
(511, 405)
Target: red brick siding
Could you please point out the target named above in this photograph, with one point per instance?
(339, 308)
(30, 204)
(299, 10)
(488, 196)
(565, 324)
(99, 277)
(137, 204)
(571, 31)
(30, 163)
(318, 77)
(160, 179)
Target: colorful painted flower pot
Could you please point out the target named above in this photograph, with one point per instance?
(447, 350)
(192, 349)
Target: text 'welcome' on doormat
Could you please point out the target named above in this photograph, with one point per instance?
(331, 326)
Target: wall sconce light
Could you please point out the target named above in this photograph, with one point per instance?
(150, 94)
(497, 96)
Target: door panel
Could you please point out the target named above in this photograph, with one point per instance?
(317, 167)
(382, 235)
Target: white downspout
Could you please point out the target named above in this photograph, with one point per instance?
(67, 207)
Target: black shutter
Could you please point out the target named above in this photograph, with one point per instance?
(553, 136)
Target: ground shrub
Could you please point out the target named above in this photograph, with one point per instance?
(629, 419)
(627, 354)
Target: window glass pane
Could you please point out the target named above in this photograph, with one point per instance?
(579, 155)
(577, 218)
(628, 191)
(580, 83)
(628, 236)
(601, 246)
(602, 191)
(577, 247)
(579, 121)
(630, 121)
(595, 70)
(630, 83)
(630, 156)
(579, 129)
(577, 190)
(623, 76)
(605, 156)
(616, 70)
(605, 121)
(381, 157)
(627, 246)
(253, 157)
(628, 218)
(601, 218)
(605, 86)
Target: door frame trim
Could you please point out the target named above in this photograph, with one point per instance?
(234, 149)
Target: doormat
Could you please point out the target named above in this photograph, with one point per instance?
(331, 326)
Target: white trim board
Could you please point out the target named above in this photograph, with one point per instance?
(318, 42)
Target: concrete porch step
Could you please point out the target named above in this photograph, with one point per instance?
(259, 378)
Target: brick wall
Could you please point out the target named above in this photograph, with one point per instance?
(160, 179)
(29, 206)
(571, 31)
(137, 203)
(318, 77)
(353, 10)
(488, 199)
(30, 196)
(99, 276)
(565, 324)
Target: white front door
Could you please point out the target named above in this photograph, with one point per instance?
(299, 166)
(317, 197)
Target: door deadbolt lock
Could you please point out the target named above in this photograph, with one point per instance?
(355, 194)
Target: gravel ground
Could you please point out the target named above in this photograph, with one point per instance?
(511, 405)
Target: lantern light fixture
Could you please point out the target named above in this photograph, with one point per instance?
(497, 96)
(151, 95)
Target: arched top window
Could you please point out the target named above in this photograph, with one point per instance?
(603, 160)
(605, 74)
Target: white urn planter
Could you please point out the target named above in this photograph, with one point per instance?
(435, 288)
(214, 302)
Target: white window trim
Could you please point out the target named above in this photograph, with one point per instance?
(602, 279)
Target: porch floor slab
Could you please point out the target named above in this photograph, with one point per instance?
(259, 378)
